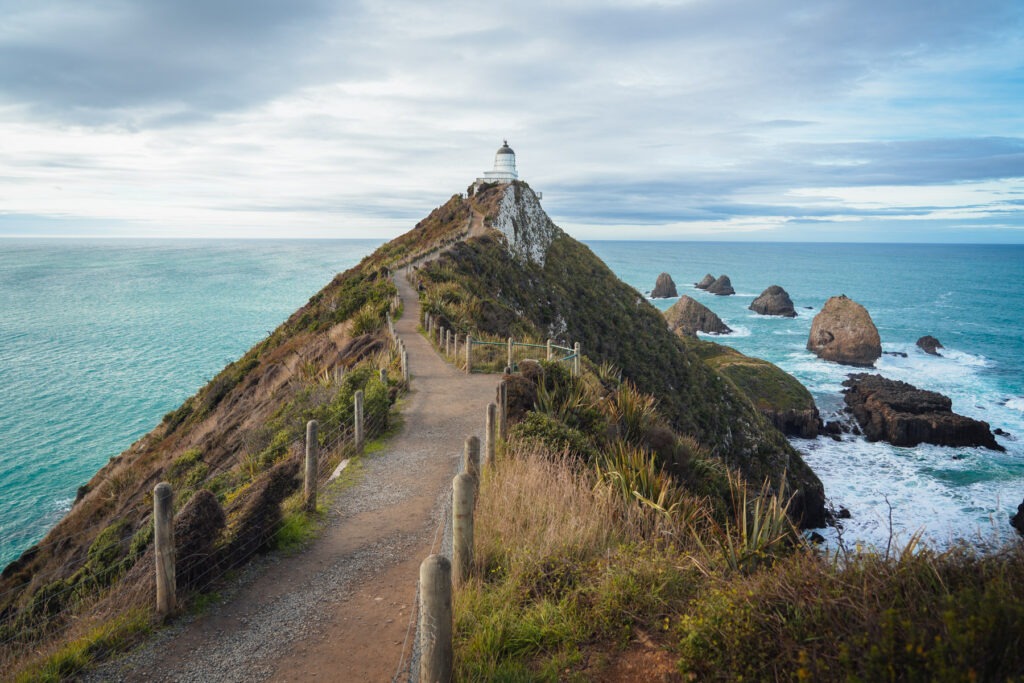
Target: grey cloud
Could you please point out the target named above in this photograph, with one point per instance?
(85, 61)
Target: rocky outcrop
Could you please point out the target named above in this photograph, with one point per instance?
(843, 332)
(721, 286)
(664, 287)
(687, 317)
(930, 344)
(1017, 521)
(774, 301)
(705, 282)
(775, 393)
(525, 225)
(903, 415)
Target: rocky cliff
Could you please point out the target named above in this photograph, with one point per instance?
(568, 294)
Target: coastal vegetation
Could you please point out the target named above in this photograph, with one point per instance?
(643, 512)
(231, 454)
(572, 579)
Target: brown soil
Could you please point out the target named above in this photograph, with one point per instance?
(363, 631)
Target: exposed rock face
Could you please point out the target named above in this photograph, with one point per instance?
(843, 332)
(774, 301)
(903, 415)
(525, 225)
(664, 287)
(722, 286)
(1017, 521)
(687, 317)
(930, 344)
(705, 282)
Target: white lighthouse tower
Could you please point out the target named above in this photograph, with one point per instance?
(504, 167)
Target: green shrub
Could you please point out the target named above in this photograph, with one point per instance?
(552, 435)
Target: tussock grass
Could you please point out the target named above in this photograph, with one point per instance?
(567, 570)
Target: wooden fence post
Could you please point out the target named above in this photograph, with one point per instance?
(576, 360)
(312, 459)
(489, 435)
(455, 347)
(510, 342)
(440, 337)
(471, 455)
(549, 350)
(463, 499)
(359, 419)
(163, 543)
(436, 661)
(447, 342)
(469, 354)
(384, 376)
(503, 416)
(405, 366)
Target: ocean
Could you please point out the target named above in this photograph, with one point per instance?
(967, 296)
(100, 338)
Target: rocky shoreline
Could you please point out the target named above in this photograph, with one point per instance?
(903, 415)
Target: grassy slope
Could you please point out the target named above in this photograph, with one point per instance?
(568, 577)
(227, 439)
(574, 296)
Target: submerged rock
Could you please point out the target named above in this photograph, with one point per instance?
(705, 282)
(664, 287)
(843, 332)
(774, 301)
(688, 316)
(930, 344)
(903, 415)
(722, 286)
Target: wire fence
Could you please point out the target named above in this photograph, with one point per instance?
(491, 355)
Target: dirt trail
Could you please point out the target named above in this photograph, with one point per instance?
(340, 610)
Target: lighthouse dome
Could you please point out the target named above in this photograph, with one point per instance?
(504, 170)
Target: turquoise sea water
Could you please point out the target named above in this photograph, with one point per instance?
(100, 338)
(969, 297)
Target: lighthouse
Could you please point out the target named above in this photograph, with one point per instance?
(504, 167)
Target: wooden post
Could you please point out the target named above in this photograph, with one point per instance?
(549, 350)
(436, 660)
(447, 342)
(463, 499)
(576, 360)
(440, 337)
(359, 419)
(510, 342)
(312, 458)
(471, 455)
(163, 543)
(469, 354)
(405, 366)
(384, 376)
(503, 417)
(455, 347)
(489, 434)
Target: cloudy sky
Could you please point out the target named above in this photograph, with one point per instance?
(816, 120)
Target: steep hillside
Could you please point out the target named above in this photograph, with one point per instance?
(230, 452)
(527, 278)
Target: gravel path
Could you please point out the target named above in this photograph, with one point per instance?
(341, 609)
